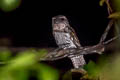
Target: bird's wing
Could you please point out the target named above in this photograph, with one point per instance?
(75, 38)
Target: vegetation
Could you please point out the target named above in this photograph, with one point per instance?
(26, 65)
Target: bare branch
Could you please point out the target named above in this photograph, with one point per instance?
(104, 35)
(112, 39)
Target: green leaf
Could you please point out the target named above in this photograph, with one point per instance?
(102, 2)
(92, 69)
(22, 60)
(115, 15)
(5, 55)
(20, 74)
(9, 5)
(47, 73)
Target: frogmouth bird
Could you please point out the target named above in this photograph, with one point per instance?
(69, 44)
(66, 38)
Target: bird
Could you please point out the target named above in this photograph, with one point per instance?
(66, 38)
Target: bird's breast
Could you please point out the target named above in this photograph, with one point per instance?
(64, 40)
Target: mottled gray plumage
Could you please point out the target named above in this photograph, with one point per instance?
(66, 38)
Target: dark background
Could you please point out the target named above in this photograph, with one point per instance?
(30, 24)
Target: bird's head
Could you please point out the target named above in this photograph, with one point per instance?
(59, 23)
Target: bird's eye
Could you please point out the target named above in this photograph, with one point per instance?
(62, 19)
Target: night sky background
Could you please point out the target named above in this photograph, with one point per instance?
(30, 24)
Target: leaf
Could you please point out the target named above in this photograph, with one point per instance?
(92, 69)
(24, 65)
(102, 2)
(22, 60)
(9, 5)
(20, 74)
(47, 73)
(5, 55)
(115, 15)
